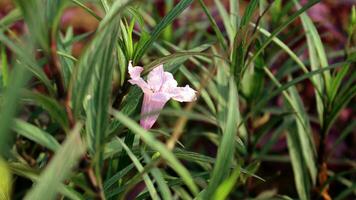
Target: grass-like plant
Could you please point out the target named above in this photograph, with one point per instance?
(69, 125)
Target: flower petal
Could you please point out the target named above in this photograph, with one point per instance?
(155, 78)
(169, 82)
(152, 104)
(135, 75)
(183, 94)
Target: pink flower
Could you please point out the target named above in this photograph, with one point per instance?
(159, 88)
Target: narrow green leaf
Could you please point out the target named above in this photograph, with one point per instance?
(215, 27)
(93, 62)
(168, 19)
(36, 20)
(226, 20)
(235, 14)
(35, 134)
(27, 60)
(300, 176)
(13, 16)
(158, 176)
(158, 146)
(140, 168)
(250, 9)
(304, 133)
(226, 187)
(6, 181)
(281, 28)
(9, 105)
(54, 109)
(99, 96)
(31, 174)
(226, 147)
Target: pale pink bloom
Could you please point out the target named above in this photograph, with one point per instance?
(159, 88)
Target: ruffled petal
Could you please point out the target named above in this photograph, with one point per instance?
(183, 94)
(169, 82)
(135, 75)
(151, 106)
(155, 78)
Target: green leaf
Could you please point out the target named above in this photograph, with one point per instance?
(317, 53)
(158, 146)
(226, 147)
(336, 81)
(235, 14)
(54, 109)
(168, 19)
(318, 59)
(58, 170)
(250, 9)
(346, 192)
(226, 20)
(27, 60)
(4, 66)
(129, 107)
(92, 63)
(226, 187)
(281, 28)
(140, 169)
(300, 176)
(291, 83)
(9, 105)
(99, 96)
(116, 177)
(13, 16)
(304, 133)
(36, 20)
(5, 181)
(215, 27)
(31, 174)
(35, 134)
(158, 176)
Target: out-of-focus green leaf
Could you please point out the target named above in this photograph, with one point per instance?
(215, 27)
(10, 18)
(9, 106)
(36, 20)
(226, 187)
(27, 60)
(54, 109)
(5, 181)
(32, 174)
(58, 170)
(250, 9)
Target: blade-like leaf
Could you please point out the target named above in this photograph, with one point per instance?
(168, 19)
(158, 146)
(140, 168)
(226, 147)
(35, 134)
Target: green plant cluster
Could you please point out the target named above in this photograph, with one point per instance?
(69, 125)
